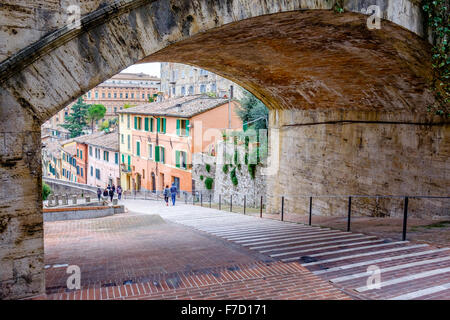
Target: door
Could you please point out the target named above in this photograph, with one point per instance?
(153, 183)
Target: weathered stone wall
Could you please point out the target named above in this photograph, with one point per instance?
(70, 188)
(355, 153)
(251, 188)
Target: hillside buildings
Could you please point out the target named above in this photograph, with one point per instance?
(157, 140)
(179, 80)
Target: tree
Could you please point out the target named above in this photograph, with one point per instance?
(94, 113)
(127, 105)
(252, 109)
(75, 122)
(105, 125)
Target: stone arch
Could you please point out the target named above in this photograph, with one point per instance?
(51, 71)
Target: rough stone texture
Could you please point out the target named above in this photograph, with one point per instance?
(296, 60)
(71, 188)
(251, 188)
(351, 155)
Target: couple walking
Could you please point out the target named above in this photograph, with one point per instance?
(170, 192)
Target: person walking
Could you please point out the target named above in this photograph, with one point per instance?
(99, 193)
(119, 192)
(166, 195)
(105, 194)
(111, 194)
(173, 193)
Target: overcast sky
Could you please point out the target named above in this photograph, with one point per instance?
(152, 69)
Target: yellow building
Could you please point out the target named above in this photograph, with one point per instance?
(68, 160)
(125, 151)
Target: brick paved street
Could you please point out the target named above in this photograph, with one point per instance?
(209, 254)
(137, 255)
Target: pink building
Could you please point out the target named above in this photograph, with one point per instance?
(103, 159)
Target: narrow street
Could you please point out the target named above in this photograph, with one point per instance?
(186, 252)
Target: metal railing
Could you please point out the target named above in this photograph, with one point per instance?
(405, 198)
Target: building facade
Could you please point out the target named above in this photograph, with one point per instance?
(69, 161)
(179, 80)
(114, 94)
(102, 168)
(157, 140)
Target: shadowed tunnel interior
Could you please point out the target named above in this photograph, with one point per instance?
(315, 60)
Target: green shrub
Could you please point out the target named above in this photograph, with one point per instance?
(201, 177)
(208, 183)
(233, 177)
(225, 168)
(239, 167)
(208, 167)
(236, 157)
(46, 190)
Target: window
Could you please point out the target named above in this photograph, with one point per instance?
(137, 123)
(161, 125)
(103, 95)
(191, 90)
(183, 91)
(126, 95)
(181, 159)
(121, 95)
(96, 94)
(129, 142)
(159, 154)
(138, 148)
(97, 173)
(116, 158)
(150, 150)
(106, 156)
(146, 126)
(89, 94)
(81, 171)
(122, 139)
(115, 95)
(121, 118)
(92, 171)
(143, 96)
(132, 95)
(109, 95)
(202, 88)
(182, 127)
(81, 154)
(128, 121)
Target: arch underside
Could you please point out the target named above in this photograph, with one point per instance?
(315, 60)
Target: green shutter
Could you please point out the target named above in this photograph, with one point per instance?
(157, 154)
(158, 125)
(164, 125)
(123, 158)
(178, 127)
(151, 124)
(135, 123)
(163, 153)
(138, 148)
(146, 124)
(177, 158)
(187, 127)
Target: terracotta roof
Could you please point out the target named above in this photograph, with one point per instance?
(101, 139)
(184, 107)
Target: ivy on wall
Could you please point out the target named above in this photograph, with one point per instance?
(437, 21)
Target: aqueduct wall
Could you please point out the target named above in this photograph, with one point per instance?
(345, 98)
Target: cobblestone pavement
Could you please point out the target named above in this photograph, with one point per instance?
(138, 255)
(350, 261)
